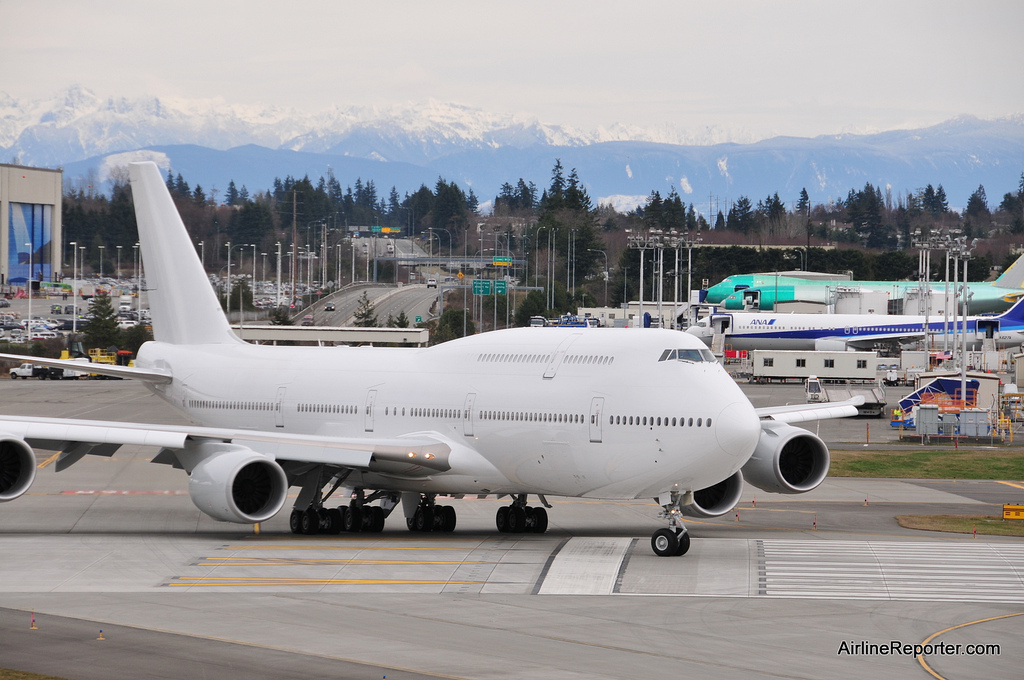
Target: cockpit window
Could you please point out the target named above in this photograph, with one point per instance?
(693, 355)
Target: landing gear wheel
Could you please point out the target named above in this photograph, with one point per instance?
(376, 519)
(540, 520)
(423, 520)
(448, 519)
(310, 522)
(333, 524)
(354, 519)
(516, 520)
(295, 522)
(664, 542)
(501, 519)
(684, 543)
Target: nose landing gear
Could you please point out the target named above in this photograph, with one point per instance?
(673, 540)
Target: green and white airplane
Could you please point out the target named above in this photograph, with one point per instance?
(762, 291)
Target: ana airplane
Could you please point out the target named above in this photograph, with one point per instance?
(582, 412)
(743, 290)
(838, 332)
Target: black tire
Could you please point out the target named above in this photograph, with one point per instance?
(376, 519)
(295, 522)
(333, 524)
(310, 522)
(501, 519)
(540, 520)
(354, 519)
(684, 544)
(423, 520)
(664, 542)
(516, 520)
(449, 519)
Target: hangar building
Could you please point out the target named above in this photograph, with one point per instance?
(30, 224)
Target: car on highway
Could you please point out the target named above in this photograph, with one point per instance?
(431, 283)
(329, 307)
(307, 320)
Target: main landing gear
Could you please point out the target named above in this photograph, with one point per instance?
(428, 516)
(309, 515)
(520, 518)
(673, 540)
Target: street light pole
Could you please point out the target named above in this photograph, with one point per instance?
(74, 285)
(118, 262)
(596, 250)
(28, 283)
(102, 248)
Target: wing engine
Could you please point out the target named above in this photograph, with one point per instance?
(717, 499)
(235, 484)
(787, 459)
(17, 468)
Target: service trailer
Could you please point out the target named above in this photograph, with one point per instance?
(789, 364)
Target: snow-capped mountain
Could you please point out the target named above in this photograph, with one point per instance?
(212, 142)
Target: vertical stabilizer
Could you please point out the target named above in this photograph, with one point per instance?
(184, 307)
(1013, 277)
(1015, 313)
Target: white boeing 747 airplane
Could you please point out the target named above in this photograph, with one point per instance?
(592, 413)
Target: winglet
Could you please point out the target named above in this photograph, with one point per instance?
(184, 307)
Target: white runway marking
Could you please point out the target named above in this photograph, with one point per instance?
(961, 572)
(585, 566)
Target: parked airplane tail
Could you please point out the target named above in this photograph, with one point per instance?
(184, 306)
(1015, 313)
(1013, 277)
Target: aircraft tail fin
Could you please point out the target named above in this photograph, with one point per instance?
(1015, 313)
(1013, 277)
(184, 306)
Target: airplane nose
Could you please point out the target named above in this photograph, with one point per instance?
(738, 430)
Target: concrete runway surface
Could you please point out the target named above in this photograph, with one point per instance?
(781, 590)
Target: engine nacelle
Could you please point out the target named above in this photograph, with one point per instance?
(787, 459)
(717, 499)
(17, 468)
(235, 484)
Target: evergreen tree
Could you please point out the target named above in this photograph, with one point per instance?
(102, 331)
(231, 196)
(366, 315)
(449, 326)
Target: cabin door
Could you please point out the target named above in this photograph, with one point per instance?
(371, 397)
(596, 416)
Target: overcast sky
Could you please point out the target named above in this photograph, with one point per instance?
(797, 68)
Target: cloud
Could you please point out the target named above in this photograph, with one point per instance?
(684, 184)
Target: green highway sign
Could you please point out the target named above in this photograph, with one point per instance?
(500, 287)
(419, 319)
(501, 261)
(376, 229)
(481, 287)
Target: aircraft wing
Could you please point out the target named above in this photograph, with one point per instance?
(798, 413)
(77, 438)
(129, 372)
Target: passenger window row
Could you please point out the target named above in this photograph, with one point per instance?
(545, 358)
(532, 417)
(346, 409)
(232, 405)
(659, 421)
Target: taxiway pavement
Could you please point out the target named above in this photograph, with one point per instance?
(776, 590)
